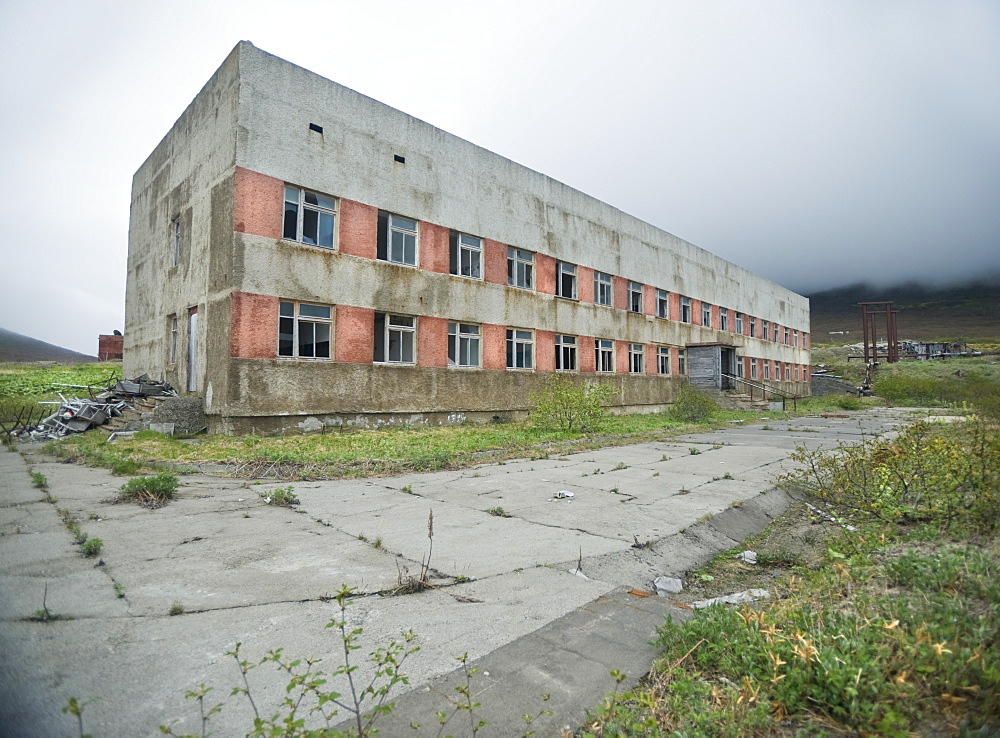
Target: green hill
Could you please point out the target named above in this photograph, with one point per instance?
(15, 347)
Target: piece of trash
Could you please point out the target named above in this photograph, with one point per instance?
(736, 421)
(747, 557)
(667, 585)
(563, 493)
(737, 598)
(579, 573)
(639, 592)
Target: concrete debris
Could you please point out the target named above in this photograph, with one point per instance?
(737, 598)
(747, 557)
(76, 415)
(667, 585)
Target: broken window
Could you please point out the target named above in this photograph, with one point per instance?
(566, 353)
(394, 338)
(604, 355)
(685, 309)
(634, 297)
(662, 304)
(603, 289)
(706, 315)
(566, 280)
(520, 349)
(466, 255)
(304, 330)
(520, 268)
(663, 360)
(397, 239)
(463, 345)
(636, 354)
(723, 319)
(309, 217)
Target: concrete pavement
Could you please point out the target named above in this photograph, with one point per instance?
(243, 571)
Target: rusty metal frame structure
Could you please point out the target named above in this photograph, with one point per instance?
(870, 312)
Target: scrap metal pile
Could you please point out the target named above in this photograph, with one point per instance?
(76, 415)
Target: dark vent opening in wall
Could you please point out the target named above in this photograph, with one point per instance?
(400, 159)
(314, 127)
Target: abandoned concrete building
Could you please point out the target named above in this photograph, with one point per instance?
(302, 256)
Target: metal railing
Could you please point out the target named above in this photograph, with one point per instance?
(764, 390)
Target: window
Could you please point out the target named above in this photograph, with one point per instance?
(604, 355)
(795, 338)
(767, 369)
(173, 339)
(520, 268)
(566, 280)
(774, 332)
(466, 255)
(796, 372)
(723, 319)
(763, 329)
(753, 327)
(706, 315)
(394, 338)
(304, 330)
(685, 309)
(740, 370)
(520, 346)
(634, 297)
(786, 337)
(566, 354)
(603, 294)
(397, 239)
(309, 217)
(662, 304)
(788, 372)
(663, 360)
(739, 323)
(463, 345)
(175, 239)
(682, 363)
(753, 368)
(635, 358)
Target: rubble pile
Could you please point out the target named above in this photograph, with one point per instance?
(76, 414)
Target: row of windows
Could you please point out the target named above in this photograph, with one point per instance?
(304, 332)
(310, 217)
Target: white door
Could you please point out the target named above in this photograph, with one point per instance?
(192, 350)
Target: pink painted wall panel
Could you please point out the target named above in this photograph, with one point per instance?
(675, 306)
(358, 229)
(355, 335)
(495, 261)
(257, 204)
(545, 274)
(586, 356)
(585, 284)
(434, 248)
(545, 351)
(253, 326)
(494, 346)
(649, 299)
(621, 357)
(650, 359)
(620, 288)
(432, 341)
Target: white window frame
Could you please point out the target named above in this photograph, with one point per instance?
(604, 356)
(298, 315)
(604, 290)
(401, 329)
(566, 354)
(635, 297)
(324, 207)
(795, 339)
(174, 332)
(706, 314)
(466, 255)
(753, 327)
(520, 268)
(767, 368)
(739, 322)
(406, 251)
(740, 367)
(686, 310)
(464, 345)
(763, 331)
(663, 360)
(786, 341)
(636, 358)
(682, 365)
(753, 368)
(788, 372)
(663, 304)
(566, 277)
(520, 349)
(723, 319)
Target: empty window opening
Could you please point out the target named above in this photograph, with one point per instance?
(685, 309)
(173, 339)
(566, 280)
(309, 217)
(662, 304)
(175, 239)
(304, 330)
(634, 297)
(723, 319)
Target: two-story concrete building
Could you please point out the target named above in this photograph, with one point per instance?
(301, 255)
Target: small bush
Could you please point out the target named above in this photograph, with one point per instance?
(498, 512)
(92, 547)
(566, 405)
(176, 609)
(150, 491)
(39, 480)
(690, 405)
(280, 497)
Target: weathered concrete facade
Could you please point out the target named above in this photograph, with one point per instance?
(300, 255)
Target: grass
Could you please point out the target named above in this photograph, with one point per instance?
(498, 512)
(24, 384)
(151, 492)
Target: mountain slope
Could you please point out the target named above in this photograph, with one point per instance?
(15, 347)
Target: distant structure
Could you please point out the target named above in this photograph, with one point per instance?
(109, 348)
(870, 312)
(303, 256)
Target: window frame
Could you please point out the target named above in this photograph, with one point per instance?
(604, 289)
(604, 356)
(764, 331)
(520, 268)
(173, 328)
(686, 315)
(407, 337)
(635, 297)
(566, 271)
(636, 358)
(753, 326)
(753, 369)
(739, 323)
(723, 319)
(457, 249)
(298, 320)
(663, 360)
(767, 369)
(682, 367)
(390, 224)
(706, 314)
(461, 342)
(526, 344)
(567, 353)
(301, 207)
(662, 304)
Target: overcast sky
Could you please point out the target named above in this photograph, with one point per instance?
(817, 143)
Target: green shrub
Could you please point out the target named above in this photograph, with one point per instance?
(571, 406)
(150, 491)
(92, 547)
(690, 405)
(39, 480)
(280, 497)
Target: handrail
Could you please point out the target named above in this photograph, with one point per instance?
(764, 389)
